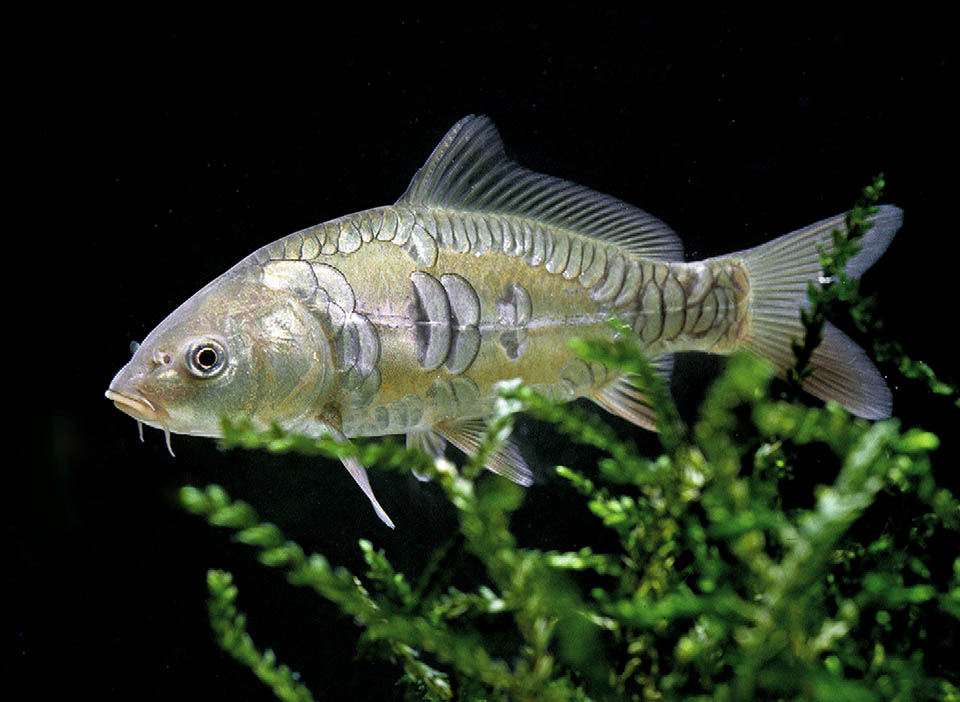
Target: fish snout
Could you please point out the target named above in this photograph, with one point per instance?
(134, 404)
(126, 390)
(140, 408)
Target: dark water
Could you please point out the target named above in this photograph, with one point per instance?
(160, 156)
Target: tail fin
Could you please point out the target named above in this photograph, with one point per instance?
(779, 272)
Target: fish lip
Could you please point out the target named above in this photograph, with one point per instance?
(138, 407)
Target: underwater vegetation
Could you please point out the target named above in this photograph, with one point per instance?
(718, 588)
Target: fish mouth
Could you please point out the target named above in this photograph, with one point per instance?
(144, 411)
(139, 408)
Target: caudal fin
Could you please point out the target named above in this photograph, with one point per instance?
(779, 272)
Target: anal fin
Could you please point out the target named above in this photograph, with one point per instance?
(466, 435)
(623, 398)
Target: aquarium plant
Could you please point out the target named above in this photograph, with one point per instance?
(717, 589)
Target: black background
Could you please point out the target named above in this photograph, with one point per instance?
(156, 151)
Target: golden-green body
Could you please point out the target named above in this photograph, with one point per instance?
(530, 288)
(401, 319)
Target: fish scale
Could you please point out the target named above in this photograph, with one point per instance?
(676, 306)
(401, 319)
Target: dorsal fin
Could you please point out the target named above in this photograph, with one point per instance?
(470, 170)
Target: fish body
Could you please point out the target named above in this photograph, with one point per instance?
(401, 319)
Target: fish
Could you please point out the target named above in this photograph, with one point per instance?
(402, 319)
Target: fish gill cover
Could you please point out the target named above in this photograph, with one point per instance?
(718, 587)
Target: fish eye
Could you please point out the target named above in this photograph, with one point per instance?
(206, 358)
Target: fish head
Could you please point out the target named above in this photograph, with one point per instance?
(237, 348)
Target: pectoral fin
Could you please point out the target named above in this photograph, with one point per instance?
(355, 468)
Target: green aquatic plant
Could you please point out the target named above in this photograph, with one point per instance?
(717, 591)
(716, 588)
(229, 626)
